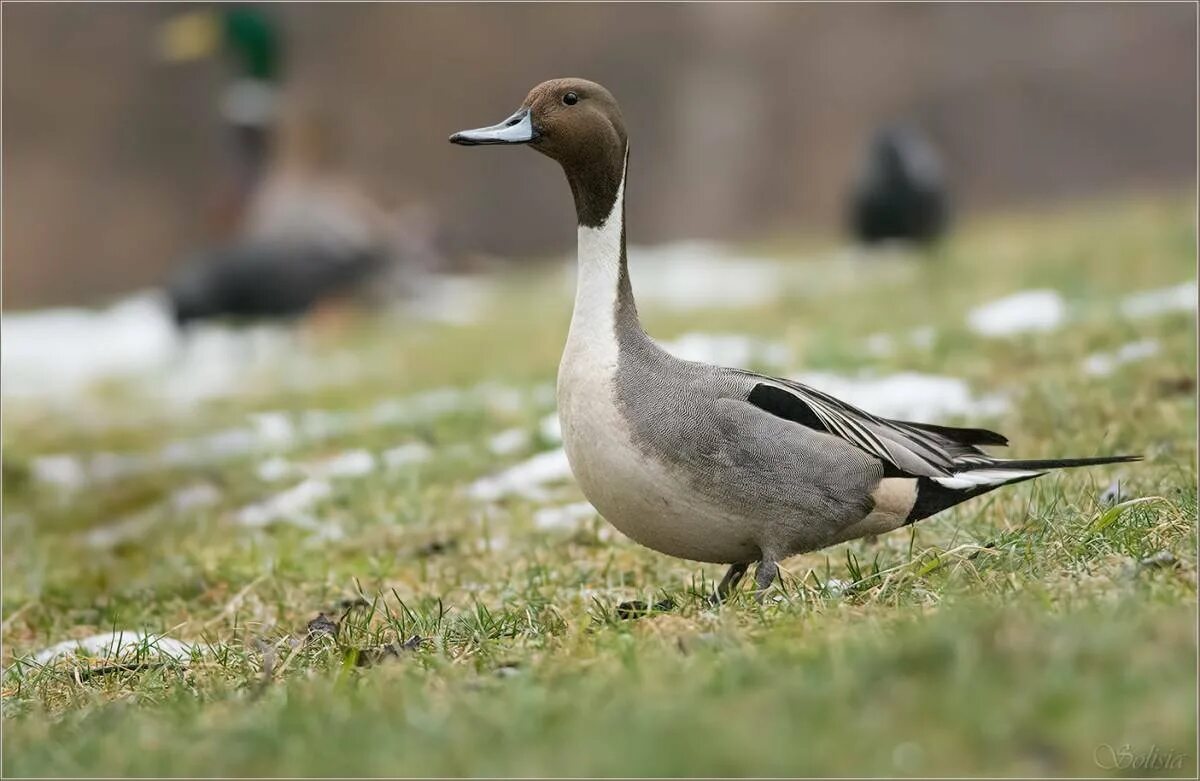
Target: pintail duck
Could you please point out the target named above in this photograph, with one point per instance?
(710, 463)
(900, 193)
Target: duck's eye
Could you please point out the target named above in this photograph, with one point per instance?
(570, 99)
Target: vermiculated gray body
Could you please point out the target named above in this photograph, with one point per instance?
(731, 455)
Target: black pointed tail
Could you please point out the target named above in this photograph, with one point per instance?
(1064, 463)
(933, 497)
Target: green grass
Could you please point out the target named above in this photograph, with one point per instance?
(1032, 632)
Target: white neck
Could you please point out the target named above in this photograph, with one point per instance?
(593, 323)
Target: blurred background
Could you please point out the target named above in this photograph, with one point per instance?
(274, 351)
(747, 121)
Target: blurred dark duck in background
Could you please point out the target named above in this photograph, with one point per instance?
(901, 191)
(253, 281)
(310, 239)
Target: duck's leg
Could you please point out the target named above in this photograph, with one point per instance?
(764, 576)
(730, 582)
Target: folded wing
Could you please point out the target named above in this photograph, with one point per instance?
(906, 448)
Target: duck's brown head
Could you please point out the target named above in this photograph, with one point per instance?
(578, 123)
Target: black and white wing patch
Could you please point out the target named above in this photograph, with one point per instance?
(906, 449)
(813, 409)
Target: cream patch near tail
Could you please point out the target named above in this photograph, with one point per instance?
(894, 498)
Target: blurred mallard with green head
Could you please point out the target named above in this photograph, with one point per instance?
(304, 236)
(250, 104)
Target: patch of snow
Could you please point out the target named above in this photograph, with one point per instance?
(198, 451)
(505, 399)
(104, 467)
(352, 463)
(288, 506)
(440, 402)
(909, 395)
(509, 441)
(320, 532)
(65, 471)
(60, 354)
(215, 361)
(454, 300)
(63, 351)
(273, 429)
(1025, 312)
(117, 645)
(194, 497)
(273, 432)
(836, 586)
(525, 479)
(551, 428)
(693, 274)
(73, 472)
(567, 516)
(1178, 298)
(426, 405)
(388, 412)
(735, 350)
(113, 534)
(884, 344)
(275, 469)
(1114, 493)
(406, 455)
(318, 424)
(1103, 364)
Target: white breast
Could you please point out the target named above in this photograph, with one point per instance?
(644, 499)
(595, 435)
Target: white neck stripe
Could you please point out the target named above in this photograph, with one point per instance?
(593, 323)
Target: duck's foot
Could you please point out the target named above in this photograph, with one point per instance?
(728, 583)
(764, 576)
